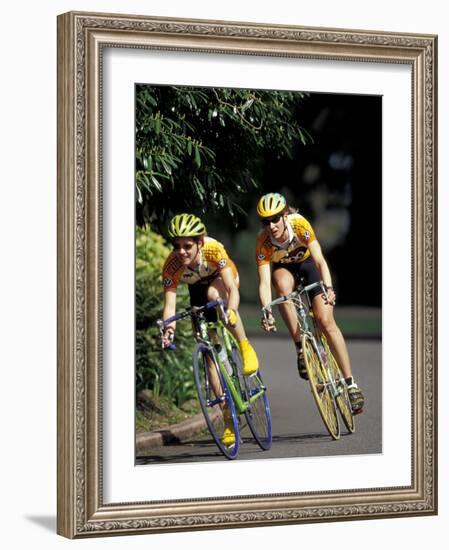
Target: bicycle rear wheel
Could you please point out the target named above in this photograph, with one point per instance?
(321, 389)
(254, 393)
(342, 397)
(214, 398)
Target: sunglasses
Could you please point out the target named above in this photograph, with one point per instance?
(186, 247)
(274, 219)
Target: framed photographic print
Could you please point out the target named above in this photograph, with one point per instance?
(159, 118)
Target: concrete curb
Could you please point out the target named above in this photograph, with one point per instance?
(176, 433)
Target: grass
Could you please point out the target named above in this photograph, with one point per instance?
(154, 412)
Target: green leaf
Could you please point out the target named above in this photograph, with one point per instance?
(197, 156)
(166, 167)
(247, 104)
(139, 195)
(143, 181)
(156, 183)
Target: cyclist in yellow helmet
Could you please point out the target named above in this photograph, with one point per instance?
(203, 263)
(287, 250)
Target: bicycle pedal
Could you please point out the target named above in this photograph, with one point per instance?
(253, 374)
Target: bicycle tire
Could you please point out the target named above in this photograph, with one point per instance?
(320, 387)
(258, 415)
(210, 404)
(342, 397)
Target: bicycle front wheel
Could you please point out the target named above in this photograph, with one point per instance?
(215, 400)
(342, 397)
(321, 388)
(254, 393)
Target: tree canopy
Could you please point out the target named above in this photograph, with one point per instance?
(199, 149)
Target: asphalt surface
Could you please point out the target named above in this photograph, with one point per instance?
(297, 427)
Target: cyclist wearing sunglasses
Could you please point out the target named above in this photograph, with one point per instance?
(287, 252)
(203, 263)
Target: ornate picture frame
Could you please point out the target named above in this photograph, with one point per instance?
(82, 39)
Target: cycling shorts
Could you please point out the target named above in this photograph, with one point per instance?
(198, 297)
(305, 273)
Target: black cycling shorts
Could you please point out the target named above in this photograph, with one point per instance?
(198, 297)
(305, 273)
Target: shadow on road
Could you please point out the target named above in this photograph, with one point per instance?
(202, 449)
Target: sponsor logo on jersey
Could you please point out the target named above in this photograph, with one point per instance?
(168, 281)
(222, 262)
(306, 235)
(297, 257)
(261, 257)
(173, 265)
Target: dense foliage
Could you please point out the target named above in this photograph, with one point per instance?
(165, 373)
(200, 149)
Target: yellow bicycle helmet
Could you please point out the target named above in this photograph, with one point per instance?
(186, 225)
(270, 205)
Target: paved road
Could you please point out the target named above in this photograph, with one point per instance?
(297, 427)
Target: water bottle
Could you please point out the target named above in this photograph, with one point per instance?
(223, 356)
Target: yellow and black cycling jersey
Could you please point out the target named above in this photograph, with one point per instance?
(294, 250)
(213, 258)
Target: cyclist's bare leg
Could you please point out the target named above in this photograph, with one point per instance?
(217, 290)
(214, 379)
(324, 315)
(216, 385)
(284, 283)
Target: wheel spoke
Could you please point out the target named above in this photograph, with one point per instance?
(342, 398)
(258, 412)
(321, 390)
(214, 399)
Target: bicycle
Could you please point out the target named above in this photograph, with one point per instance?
(326, 380)
(221, 386)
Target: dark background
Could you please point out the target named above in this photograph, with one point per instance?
(336, 183)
